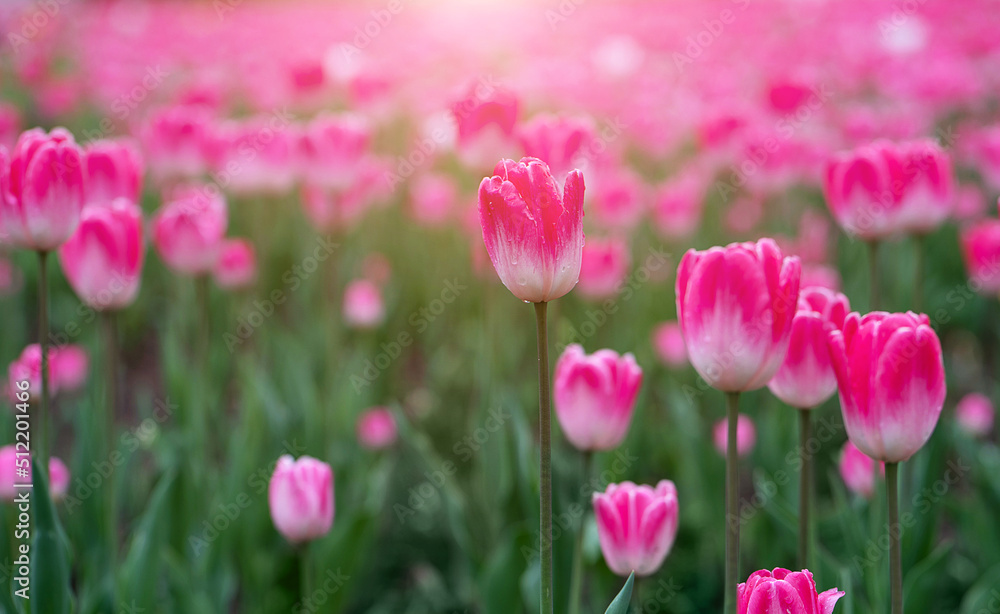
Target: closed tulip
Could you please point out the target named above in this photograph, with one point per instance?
(103, 259)
(41, 190)
(595, 396)
(68, 367)
(363, 304)
(236, 266)
(556, 140)
(114, 170)
(636, 525)
(533, 234)
(858, 470)
(862, 189)
(806, 378)
(927, 194)
(300, 496)
(981, 251)
(785, 592)
(604, 265)
(668, 341)
(735, 305)
(891, 380)
(189, 229)
(58, 476)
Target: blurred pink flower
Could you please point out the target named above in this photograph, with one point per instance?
(636, 525)
(236, 266)
(668, 341)
(376, 428)
(300, 496)
(113, 169)
(58, 475)
(858, 470)
(189, 228)
(746, 435)
(975, 414)
(603, 267)
(363, 305)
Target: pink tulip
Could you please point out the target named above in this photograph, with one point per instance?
(363, 305)
(603, 267)
(257, 155)
(785, 592)
(636, 525)
(619, 200)
(376, 428)
(927, 193)
(735, 305)
(678, 205)
(858, 470)
(188, 230)
(432, 198)
(557, 141)
(806, 378)
(236, 266)
(58, 476)
(891, 380)
(41, 190)
(68, 366)
(177, 142)
(485, 120)
(330, 148)
(300, 496)
(533, 235)
(668, 341)
(113, 170)
(975, 414)
(103, 259)
(981, 251)
(595, 396)
(862, 189)
(746, 435)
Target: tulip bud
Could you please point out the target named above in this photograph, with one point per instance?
(300, 496)
(975, 414)
(981, 250)
(237, 264)
(363, 306)
(376, 428)
(103, 259)
(534, 235)
(189, 229)
(636, 525)
(595, 396)
(58, 476)
(891, 379)
(603, 268)
(113, 170)
(668, 341)
(735, 305)
(858, 470)
(41, 190)
(788, 592)
(806, 378)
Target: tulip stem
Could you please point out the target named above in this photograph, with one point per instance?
(108, 325)
(305, 574)
(873, 293)
(805, 486)
(918, 281)
(895, 550)
(576, 585)
(43, 342)
(545, 435)
(732, 504)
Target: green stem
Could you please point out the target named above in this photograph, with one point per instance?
(545, 435)
(576, 585)
(43, 341)
(918, 281)
(305, 574)
(636, 597)
(873, 294)
(805, 486)
(108, 325)
(895, 551)
(732, 504)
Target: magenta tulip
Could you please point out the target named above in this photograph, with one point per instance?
(927, 195)
(113, 170)
(189, 229)
(58, 476)
(891, 379)
(363, 305)
(975, 414)
(68, 367)
(595, 396)
(668, 341)
(376, 428)
(806, 378)
(636, 525)
(557, 141)
(41, 190)
(858, 470)
(784, 592)
(103, 259)
(236, 266)
(735, 305)
(534, 235)
(862, 189)
(300, 496)
(604, 265)
(981, 251)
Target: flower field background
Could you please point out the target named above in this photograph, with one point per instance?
(307, 276)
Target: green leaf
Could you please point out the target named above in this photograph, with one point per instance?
(140, 572)
(50, 589)
(620, 604)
